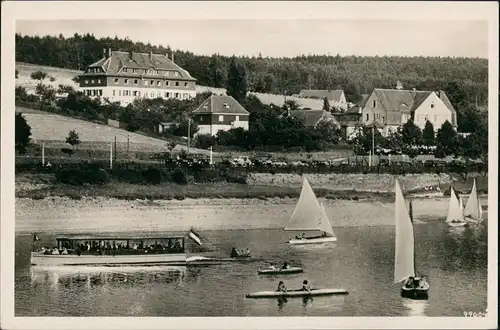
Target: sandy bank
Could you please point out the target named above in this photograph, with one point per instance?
(104, 214)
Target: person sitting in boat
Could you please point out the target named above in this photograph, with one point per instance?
(281, 287)
(305, 286)
(272, 267)
(55, 251)
(64, 251)
(285, 265)
(324, 234)
(42, 250)
(303, 236)
(410, 283)
(234, 253)
(248, 252)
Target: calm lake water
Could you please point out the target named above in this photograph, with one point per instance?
(361, 261)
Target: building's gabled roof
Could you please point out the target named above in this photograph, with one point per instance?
(404, 101)
(221, 104)
(114, 64)
(312, 117)
(331, 95)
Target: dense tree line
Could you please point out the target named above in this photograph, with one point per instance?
(356, 75)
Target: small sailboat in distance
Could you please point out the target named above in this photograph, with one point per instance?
(310, 215)
(455, 211)
(473, 211)
(414, 287)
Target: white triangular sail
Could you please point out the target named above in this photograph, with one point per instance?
(308, 214)
(455, 212)
(324, 224)
(473, 207)
(404, 265)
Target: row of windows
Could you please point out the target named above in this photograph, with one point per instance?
(136, 82)
(221, 118)
(183, 96)
(95, 70)
(152, 72)
(375, 104)
(152, 82)
(93, 92)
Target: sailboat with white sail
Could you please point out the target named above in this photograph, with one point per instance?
(310, 216)
(414, 287)
(455, 211)
(473, 211)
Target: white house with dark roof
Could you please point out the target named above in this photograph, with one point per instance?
(220, 112)
(394, 107)
(336, 98)
(125, 76)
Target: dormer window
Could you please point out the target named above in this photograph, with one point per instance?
(124, 69)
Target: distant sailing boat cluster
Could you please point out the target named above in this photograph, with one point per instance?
(459, 216)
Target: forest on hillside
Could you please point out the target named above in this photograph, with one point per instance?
(356, 75)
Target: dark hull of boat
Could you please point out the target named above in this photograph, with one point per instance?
(415, 294)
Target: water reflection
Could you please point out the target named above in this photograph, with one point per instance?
(90, 277)
(330, 304)
(415, 307)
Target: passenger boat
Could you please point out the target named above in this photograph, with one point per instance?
(414, 287)
(296, 293)
(112, 250)
(473, 212)
(310, 215)
(455, 211)
(279, 271)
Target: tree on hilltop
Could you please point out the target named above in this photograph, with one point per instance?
(73, 139)
(39, 75)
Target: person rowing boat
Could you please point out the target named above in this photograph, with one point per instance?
(281, 287)
(285, 265)
(305, 286)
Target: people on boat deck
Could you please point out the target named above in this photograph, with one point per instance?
(55, 251)
(64, 251)
(234, 253)
(285, 265)
(248, 252)
(281, 287)
(305, 286)
(42, 249)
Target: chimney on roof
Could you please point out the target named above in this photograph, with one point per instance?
(104, 52)
(439, 94)
(399, 85)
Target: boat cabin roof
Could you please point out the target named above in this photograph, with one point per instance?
(118, 237)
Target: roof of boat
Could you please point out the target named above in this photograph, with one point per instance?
(120, 236)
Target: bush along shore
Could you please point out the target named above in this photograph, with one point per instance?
(180, 183)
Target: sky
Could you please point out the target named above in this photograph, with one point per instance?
(287, 38)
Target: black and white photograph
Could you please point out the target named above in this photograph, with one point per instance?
(227, 162)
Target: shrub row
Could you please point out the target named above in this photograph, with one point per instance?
(151, 176)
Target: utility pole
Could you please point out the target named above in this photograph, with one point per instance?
(373, 142)
(43, 154)
(115, 148)
(210, 155)
(111, 156)
(189, 133)
(128, 143)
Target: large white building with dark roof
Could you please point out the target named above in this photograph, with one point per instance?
(125, 76)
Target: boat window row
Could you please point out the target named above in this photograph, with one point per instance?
(121, 246)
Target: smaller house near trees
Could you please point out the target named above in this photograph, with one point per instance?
(220, 112)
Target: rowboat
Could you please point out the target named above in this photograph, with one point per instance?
(296, 293)
(279, 271)
(473, 212)
(414, 287)
(455, 216)
(310, 215)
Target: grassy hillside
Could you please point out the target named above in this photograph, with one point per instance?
(53, 129)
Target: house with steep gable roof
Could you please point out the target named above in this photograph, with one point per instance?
(394, 107)
(220, 112)
(124, 76)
